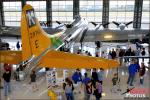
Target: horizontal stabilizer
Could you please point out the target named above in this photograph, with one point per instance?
(58, 59)
(10, 57)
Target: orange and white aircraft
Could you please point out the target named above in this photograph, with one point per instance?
(41, 49)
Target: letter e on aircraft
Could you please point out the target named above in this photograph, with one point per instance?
(31, 17)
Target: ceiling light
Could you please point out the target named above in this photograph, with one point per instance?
(108, 36)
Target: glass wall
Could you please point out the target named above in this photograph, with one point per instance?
(121, 11)
(145, 24)
(62, 11)
(40, 9)
(91, 10)
(12, 13)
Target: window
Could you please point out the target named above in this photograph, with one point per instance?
(145, 23)
(12, 13)
(40, 9)
(91, 10)
(62, 11)
(121, 11)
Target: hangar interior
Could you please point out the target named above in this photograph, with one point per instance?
(90, 28)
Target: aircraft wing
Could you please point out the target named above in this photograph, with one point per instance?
(99, 35)
(58, 59)
(10, 57)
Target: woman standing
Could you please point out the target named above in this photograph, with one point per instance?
(142, 73)
(88, 91)
(68, 87)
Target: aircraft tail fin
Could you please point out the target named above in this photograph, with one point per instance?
(34, 39)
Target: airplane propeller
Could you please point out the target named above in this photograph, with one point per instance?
(129, 23)
(98, 25)
(122, 25)
(67, 25)
(116, 23)
(58, 22)
(95, 24)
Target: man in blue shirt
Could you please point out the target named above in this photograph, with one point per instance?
(77, 77)
(86, 79)
(132, 69)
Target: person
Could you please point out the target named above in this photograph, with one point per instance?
(121, 54)
(77, 77)
(117, 52)
(103, 55)
(113, 54)
(126, 60)
(68, 87)
(98, 90)
(132, 53)
(33, 81)
(88, 71)
(8, 67)
(7, 77)
(89, 54)
(142, 73)
(143, 53)
(86, 79)
(101, 75)
(132, 69)
(109, 54)
(94, 76)
(115, 80)
(88, 88)
(137, 66)
(18, 45)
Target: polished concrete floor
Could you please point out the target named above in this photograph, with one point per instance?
(23, 90)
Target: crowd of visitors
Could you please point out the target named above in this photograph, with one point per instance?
(92, 83)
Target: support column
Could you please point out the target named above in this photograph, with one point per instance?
(1, 14)
(137, 14)
(23, 2)
(49, 12)
(105, 14)
(75, 8)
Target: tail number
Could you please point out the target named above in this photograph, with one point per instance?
(36, 44)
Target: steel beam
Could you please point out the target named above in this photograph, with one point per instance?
(49, 12)
(105, 14)
(1, 14)
(137, 14)
(75, 8)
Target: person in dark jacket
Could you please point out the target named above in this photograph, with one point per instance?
(18, 45)
(113, 54)
(94, 76)
(132, 72)
(121, 54)
(6, 77)
(143, 53)
(33, 81)
(98, 90)
(142, 73)
(132, 53)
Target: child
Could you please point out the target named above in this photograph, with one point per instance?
(115, 81)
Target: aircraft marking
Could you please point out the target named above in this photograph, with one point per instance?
(31, 17)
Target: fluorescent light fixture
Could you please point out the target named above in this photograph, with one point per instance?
(108, 36)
